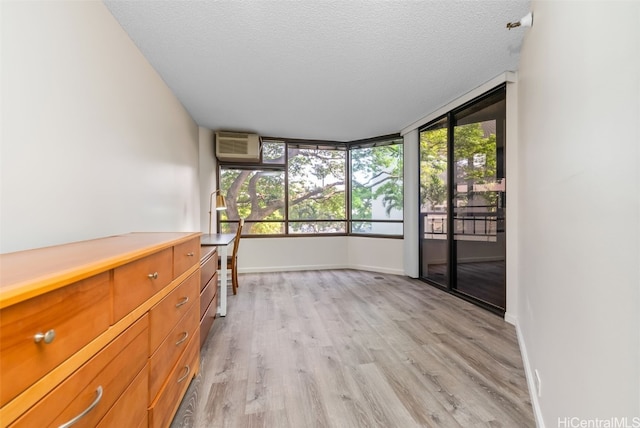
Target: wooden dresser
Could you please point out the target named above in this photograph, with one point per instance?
(99, 333)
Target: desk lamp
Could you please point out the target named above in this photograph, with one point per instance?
(221, 205)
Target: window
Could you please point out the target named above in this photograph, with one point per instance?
(256, 194)
(302, 188)
(377, 190)
(317, 197)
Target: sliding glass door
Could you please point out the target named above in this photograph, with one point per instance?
(463, 197)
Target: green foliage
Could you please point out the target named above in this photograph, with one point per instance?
(316, 184)
(273, 152)
(433, 168)
(475, 163)
(377, 174)
(254, 195)
(475, 160)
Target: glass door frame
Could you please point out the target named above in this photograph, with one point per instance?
(451, 252)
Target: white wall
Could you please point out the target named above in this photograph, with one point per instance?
(411, 203)
(579, 190)
(93, 141)
(513, 213)
(321, 252)
(289, 254)
(376, 254)
(208, 183)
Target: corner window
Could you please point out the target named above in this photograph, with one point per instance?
(306, 188)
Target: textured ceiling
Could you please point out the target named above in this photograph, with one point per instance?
(329, 70)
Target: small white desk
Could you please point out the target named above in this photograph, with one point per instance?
(222, 241)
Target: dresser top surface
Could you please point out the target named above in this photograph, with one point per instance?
(25, 274)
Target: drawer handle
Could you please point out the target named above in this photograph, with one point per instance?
(190, 254)
(85, 411)
(153, 275)
(182, 302)
(47, 337)
(186, 374)
(184, 337)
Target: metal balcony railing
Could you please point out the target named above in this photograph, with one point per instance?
(471, 225)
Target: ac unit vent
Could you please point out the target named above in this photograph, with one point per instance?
(231, 147)
(237, 147)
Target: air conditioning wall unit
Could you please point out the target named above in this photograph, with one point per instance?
(237, 146)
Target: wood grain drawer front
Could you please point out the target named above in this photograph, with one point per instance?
(163, 408)
(207, 295)
(67, 318)
(128, 409)
(207, 320)
(95, 386)
(171, 309)
(185, 255)
(170, 350)
(208, 268)
(137, 281)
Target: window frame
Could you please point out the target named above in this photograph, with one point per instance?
(347, 147)
(365, 144)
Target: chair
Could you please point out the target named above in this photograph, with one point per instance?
(232, 260)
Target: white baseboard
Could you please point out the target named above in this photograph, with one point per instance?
(320, 267)
(378, 269)
(510, 318)
(291, 268)
(528, 371)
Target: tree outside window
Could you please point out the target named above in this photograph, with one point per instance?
(377, 191)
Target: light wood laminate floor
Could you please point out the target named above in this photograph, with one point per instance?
(346, 348)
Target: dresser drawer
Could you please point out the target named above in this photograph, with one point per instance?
(171, 349)
(207, 320)
(130, 406)
(208, 265)
(71, 317)
(207, 294)
(164, 406)
(137, 281)
(165, 315)
(185, 255)
(111, 370)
